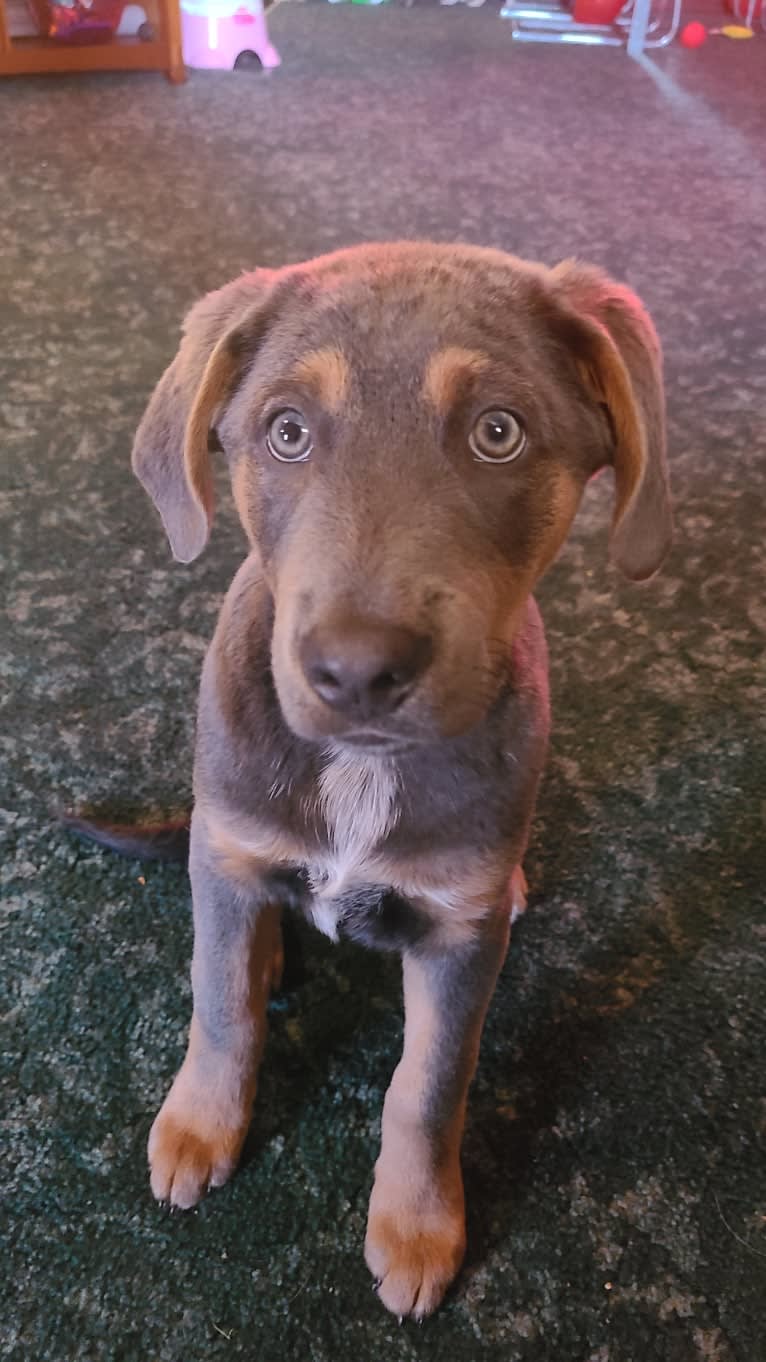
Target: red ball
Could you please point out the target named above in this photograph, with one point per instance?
(693, 35)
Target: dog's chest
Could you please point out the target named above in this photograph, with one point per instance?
(359, 803)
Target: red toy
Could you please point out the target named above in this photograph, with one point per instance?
(693, 34)
(596, 11)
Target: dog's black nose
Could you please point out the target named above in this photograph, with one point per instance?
(364, 669)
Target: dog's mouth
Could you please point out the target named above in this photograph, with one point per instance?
(372, 742)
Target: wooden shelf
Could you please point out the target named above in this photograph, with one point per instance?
(36, 55)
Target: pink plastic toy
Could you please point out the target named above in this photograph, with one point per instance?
(217, 33)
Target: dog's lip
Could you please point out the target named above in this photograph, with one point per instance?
(373, 741)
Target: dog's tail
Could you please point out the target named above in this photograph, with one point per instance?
(160, 841)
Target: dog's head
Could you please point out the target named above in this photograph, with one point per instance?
(409, 430)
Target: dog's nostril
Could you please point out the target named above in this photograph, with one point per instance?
(386, 681)
(322, 676)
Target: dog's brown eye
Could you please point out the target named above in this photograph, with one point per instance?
(289, 437)
(497, 437)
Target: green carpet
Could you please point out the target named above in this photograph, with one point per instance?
(614, 1151)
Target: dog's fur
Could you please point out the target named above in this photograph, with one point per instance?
(407, 832)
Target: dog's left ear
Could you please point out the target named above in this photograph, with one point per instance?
(619, 357)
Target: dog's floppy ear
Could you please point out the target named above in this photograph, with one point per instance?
(620, 360)
(170, 452)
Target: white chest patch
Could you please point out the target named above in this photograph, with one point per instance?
(358, 799)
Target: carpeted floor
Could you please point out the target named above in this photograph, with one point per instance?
(614, 1154)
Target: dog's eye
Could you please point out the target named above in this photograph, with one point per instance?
(289, 437)
(497, 437)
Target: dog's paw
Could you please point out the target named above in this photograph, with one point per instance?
(191, 1149)
(414, 1250)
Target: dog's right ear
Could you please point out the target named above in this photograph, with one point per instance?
(170, 453)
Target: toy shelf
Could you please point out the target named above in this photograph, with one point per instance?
(37, 55)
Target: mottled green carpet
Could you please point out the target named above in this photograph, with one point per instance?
(614, 1152)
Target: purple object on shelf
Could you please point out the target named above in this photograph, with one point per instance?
(78, 21)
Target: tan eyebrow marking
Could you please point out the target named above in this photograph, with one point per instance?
(327, 372)
(444, 370)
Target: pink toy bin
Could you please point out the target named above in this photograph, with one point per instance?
(217, 33)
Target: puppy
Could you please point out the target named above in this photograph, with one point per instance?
(408, 429)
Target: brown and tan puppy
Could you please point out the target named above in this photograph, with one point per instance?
(408, 429)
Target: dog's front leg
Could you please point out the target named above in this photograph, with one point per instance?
(197, 1137)
(416, 1225)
